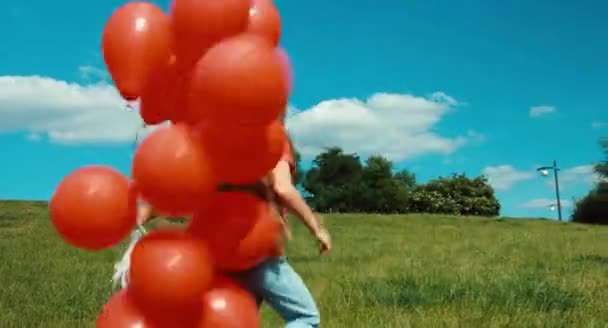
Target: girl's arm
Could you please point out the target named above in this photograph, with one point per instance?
(290, 197)
(144, 213)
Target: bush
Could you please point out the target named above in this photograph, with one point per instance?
(456, 195)
(593, 208)
(339, 182)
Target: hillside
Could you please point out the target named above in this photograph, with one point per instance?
(386, 271)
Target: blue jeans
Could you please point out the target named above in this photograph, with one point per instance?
(274, 281)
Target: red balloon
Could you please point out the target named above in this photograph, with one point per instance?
(158, 99)
(287, 69)
(169, 271)
(260, 147)
(223, 281)
(265, 20)
(172, 171)
(222, 224)
(93, 207)
(240, 80)
(198, 24)
(120, 312)
(228, 306)
(182, 86)
(136, 39)
(262, 241)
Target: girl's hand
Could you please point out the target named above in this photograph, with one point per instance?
(144, 213)
(324, 238)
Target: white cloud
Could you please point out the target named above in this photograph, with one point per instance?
(582, 174)
(476, 136)
(291, 112)
(441, 97)
(399, 126)
(503, 177)
(395, 125)
(545, 203)
(66, 112)
(599, 124)
(93, 73)
(537, 111)
(34, 137)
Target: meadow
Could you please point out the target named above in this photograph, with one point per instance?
(385, 271)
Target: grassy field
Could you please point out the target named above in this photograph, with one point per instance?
(386, 271)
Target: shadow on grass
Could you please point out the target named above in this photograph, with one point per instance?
(597, 259)
(10, 220)
(507, 221)
(15, 214)
(406, 292)
(528, 290)
(344, 260)
(18, 204)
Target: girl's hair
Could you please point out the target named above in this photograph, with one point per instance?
(282, 118)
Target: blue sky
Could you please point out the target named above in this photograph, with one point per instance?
(438, 86)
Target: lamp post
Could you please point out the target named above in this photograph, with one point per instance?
(544, 171)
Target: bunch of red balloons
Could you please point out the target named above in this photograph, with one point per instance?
(215, 71)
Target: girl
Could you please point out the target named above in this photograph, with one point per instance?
(274, 280)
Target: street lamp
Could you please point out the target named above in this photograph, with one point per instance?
(544, 171)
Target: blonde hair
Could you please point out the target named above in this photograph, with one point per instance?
(282, 118)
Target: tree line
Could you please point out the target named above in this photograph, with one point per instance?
(593, 208)
(339, 182)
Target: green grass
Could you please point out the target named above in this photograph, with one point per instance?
(385, 271)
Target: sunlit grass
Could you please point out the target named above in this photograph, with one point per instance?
(385, 271)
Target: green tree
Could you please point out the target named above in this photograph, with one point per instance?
(593, 208)
(601, 168)
(333, 168)
(331, 180)
(381, 191)
(406, 178)
(339, 182)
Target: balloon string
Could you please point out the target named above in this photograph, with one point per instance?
(137, 135)
(131, 105)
